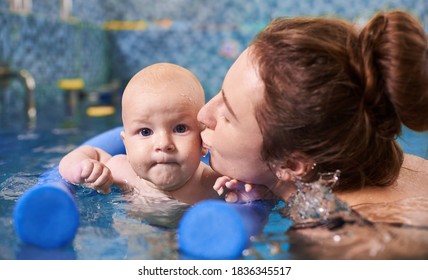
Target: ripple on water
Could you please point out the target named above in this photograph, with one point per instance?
(13, 187)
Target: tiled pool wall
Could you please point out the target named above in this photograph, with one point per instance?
(106, 40)
(109, 39)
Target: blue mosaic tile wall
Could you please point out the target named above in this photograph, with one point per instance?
(51, 50)
(202, 35)
(218, 30)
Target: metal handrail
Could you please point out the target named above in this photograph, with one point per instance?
(30, 84)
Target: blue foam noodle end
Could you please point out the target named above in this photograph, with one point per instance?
(215, 229)
(47, 215)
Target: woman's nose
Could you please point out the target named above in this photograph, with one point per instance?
(164, 142)
(206, 115)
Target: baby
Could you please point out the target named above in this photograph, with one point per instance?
(161, 135)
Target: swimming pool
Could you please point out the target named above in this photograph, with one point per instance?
(107, 231)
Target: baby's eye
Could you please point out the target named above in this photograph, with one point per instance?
(181, 128)
(146, 131)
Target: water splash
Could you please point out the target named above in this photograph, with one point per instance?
(316, 201)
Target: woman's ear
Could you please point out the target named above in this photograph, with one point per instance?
(298, 167)
(281, 172)
(291, 169)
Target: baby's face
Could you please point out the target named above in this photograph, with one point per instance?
(162, 135)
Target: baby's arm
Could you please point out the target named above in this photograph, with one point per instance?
(238, 191)
(86, 166)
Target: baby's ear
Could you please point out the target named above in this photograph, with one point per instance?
(122, 135)
(204, 151)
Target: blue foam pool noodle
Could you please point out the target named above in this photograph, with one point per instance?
(214, 229)
(47, 215)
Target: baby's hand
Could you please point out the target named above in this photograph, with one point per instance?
(238, 191)
(94, 174)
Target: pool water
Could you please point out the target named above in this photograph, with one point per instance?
(107, 232)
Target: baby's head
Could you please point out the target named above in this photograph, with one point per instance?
(165, 79)
(161, 132)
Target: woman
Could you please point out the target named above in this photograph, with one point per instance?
(311, 96)
(318, 95)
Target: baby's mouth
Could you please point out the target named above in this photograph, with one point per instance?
(164, 162)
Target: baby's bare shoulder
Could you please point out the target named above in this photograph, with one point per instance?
(121, 170)
(117, 161)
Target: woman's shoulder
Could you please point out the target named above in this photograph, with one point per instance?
(413, 177)
(412, 181)
(415, 163)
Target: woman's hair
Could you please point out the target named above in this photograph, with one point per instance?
(338, 95)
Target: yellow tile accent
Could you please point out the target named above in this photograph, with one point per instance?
(100, 111)
(71, 84)
(126, 25)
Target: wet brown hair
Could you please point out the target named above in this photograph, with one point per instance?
(339, 95)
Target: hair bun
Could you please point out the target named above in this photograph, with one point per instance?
(394, 53)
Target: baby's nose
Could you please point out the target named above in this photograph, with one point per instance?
(164, 142)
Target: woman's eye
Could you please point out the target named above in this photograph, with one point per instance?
(181, 128)
(146, 131)
(225, 118)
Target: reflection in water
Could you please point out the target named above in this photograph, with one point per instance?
(154, 207)
(29, 252)
(145, 242)
(113, 227)
(327, 228)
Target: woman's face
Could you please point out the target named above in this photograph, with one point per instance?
(232, 133)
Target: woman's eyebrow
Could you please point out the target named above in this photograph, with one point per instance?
(226, 102)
